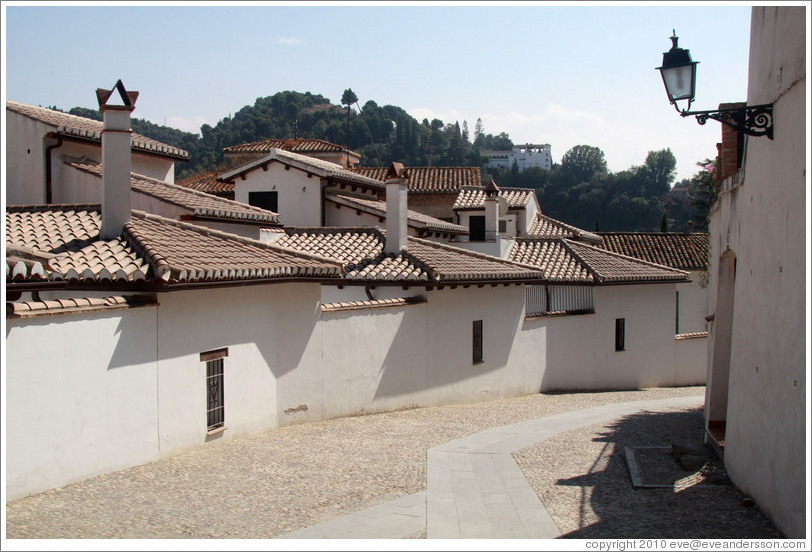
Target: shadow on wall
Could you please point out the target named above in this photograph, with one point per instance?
(623, 511)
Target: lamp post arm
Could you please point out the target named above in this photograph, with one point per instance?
(753, 120)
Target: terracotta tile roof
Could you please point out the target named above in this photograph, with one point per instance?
(415, 219)
(683, 251)
(374, 304)
(52, 228)
(318, 167)
(546, 227)
(360, 250)
(65, 239)
(208, 183)
(88, 129)
(296, 145)
(198, 204)
(553, 257)
(150, 248)
(72, 305)
(474, 198)
(431, 180)
(182, 252)
(564, 260)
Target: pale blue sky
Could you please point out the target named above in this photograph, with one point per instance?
(563, 75)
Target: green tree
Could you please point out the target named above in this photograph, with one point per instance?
(703, 194)
(582, 163)
(348, 98)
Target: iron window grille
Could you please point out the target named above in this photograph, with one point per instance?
(215, 403)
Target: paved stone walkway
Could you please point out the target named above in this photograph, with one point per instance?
(474, 487)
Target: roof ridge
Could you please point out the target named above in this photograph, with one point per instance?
(625, 257)
(227, 236)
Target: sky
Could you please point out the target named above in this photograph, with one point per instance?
(561, 74)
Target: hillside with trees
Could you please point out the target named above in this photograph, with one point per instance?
(580, 190)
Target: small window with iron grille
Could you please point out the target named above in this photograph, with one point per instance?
(477, 341)
(620, 334)
(215, 404)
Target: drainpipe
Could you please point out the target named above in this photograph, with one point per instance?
(48, 170)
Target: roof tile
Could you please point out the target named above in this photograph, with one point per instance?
(474, 198)
(683, 251)
(430, 180)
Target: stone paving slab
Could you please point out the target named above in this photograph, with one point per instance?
(397, 519)
(491, 496)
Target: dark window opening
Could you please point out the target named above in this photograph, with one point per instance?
(476, 228)
(264, 200)
(477, 341)
(620, 334)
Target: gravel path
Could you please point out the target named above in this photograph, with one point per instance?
(582, 479)
(293, 477)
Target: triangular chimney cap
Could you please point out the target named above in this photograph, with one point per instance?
(128, 98)
(397, 171)
(491, 190)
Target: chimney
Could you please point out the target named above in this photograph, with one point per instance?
(116, 162)
(491, 211)
(397, 178)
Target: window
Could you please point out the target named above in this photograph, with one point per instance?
(502, 226)
(620, 334)
(264, 200)
(215, 404)
(676, 318)
(477, 341)
(476, 228)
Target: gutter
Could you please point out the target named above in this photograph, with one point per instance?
(48, 170)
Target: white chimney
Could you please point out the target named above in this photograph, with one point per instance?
(491, 211)
(397, 178)
(116, 162)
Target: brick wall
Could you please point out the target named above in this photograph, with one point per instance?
(728, 159)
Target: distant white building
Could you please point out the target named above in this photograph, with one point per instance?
(524, 155)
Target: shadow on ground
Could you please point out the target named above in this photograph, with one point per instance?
(624, 511)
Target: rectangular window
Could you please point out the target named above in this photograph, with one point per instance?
(620, 334)
(476, 228)
(264, 200)
(676, 318)
(477, 341)
(215, 404)
(502, 226)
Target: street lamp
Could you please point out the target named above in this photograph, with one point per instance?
(679, 77)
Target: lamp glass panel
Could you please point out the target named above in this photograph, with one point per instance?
(679, 82)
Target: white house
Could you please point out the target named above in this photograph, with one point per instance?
(523, 156)
(758, 369)
(37, 139)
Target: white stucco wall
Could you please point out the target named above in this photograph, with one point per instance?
(391, 358)
(693, 303)
(267, 330)
(581, 348)
(761, 220)
(25, 166)
(80, 396)
(299, 197)
(25, 161)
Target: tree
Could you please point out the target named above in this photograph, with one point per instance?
(348, 98)
(658, 171)
(703, 193)
(465, 131)
(479, 131)
(582, 163)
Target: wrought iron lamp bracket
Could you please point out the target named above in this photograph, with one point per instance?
(753, 120)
